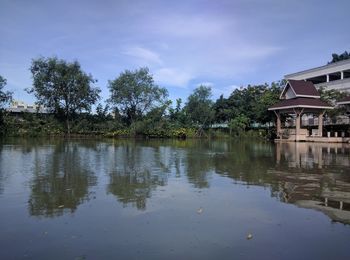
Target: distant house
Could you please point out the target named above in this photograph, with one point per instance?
(331, 76)
(17, 107)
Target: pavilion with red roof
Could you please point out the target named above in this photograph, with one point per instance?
(297, 98)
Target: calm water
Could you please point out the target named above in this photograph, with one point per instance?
(173, 200)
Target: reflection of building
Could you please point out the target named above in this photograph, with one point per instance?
(20, 107)
(313, 155)
(320, 179)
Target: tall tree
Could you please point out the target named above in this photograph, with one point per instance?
(62, 87)
(5, 96)
(134, 94)
(199, 106)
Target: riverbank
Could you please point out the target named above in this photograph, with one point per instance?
(87, 126)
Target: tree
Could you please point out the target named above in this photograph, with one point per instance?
(199, 106)
(222, 109)
(339, 57)
(5, 96)
(331, 96)
(134, 94)
(62, 87)
(238, 124)
(269, 97)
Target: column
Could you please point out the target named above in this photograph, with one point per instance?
(278, 125)
(320, 124)
(297, 126)
(342, 75)
(327, 77)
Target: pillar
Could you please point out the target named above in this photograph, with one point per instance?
(297, 126)
(327, 76)
(278, 125)
(320, 124)
(342, 75)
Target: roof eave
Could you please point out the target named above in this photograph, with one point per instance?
(299, 106)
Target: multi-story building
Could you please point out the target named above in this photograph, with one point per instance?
(331, 76)
(20, 107)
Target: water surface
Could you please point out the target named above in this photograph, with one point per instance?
(195, 199)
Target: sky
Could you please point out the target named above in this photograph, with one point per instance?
(225, 44)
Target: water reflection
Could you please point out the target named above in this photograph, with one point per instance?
(61, 174)
(61, 179)
(135, 171)
(317, 177)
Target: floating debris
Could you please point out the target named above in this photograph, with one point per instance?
(61, 206)
(200, 210)
(249, 236)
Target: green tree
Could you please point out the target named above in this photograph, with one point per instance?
(223, 110)
(134, 94)
(177, 115)
(269, 97)
(198, 107)
(62, 87)
(339, 57)
(5, 96)
(238, 124)
(331, 96)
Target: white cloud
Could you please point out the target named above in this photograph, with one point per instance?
(172, 77)
(205, 83)
(144, 55)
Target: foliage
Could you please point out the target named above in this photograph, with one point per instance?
(62, 87)
(339, 57)
(251, 102)
(331, 97)
(5, 96)
(238, 124)
(134, 94)
(198, 107)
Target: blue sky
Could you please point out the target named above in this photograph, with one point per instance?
(225, 44)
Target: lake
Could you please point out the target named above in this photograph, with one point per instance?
(173, 199)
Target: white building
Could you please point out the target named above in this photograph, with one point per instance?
(331, 76)
(20, 106)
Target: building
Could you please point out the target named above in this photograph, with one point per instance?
(331, 76)
(21, 107)
(299, 97)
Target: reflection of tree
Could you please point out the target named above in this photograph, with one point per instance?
(2, 171)
(246, 161)
(132, 187)
(61, 180)
(136, 171)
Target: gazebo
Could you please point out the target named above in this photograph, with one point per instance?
(297, 98)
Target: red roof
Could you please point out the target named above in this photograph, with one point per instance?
(302, 88)
(301, 102)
